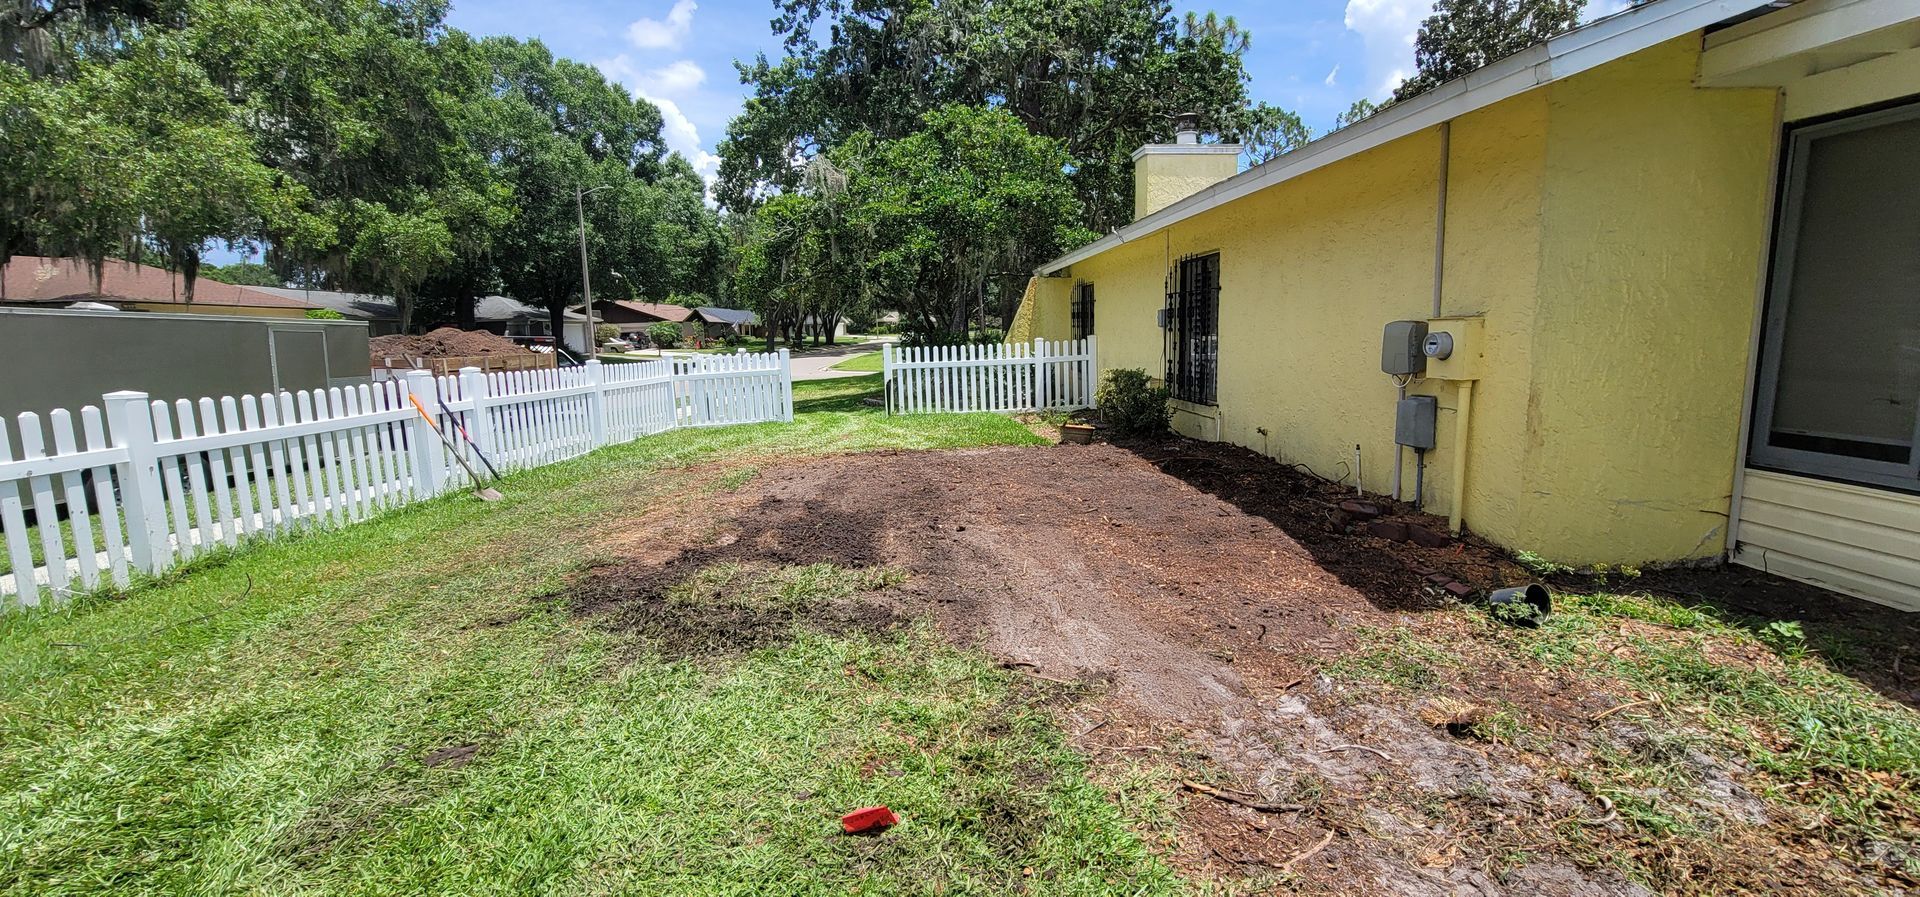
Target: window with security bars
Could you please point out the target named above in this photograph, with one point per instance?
(1083, 311)
(1193, 328)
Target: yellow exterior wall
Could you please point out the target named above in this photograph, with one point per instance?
(1312, 269)
(1609, 230)
(1656, 236)
(1046, 311)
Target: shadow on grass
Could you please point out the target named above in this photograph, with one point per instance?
(841, 395)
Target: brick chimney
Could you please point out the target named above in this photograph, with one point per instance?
(1164, 173)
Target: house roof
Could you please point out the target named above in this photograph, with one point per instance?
(360, 306)
(674, 313)
(717, 315)
(1587, 47)
(39, 280)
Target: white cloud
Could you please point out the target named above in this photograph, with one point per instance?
(654, 34)
(678, 131)
(675, 78)
(1333, 74)
(1387, 29)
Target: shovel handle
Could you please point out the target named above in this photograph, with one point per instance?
(423, 412)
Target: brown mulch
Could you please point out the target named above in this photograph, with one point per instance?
(446, 342)
(1206, 595)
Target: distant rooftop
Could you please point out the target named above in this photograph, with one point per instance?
(39, 280)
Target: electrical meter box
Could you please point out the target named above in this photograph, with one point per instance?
(1414, 421)
(1453, 347)
(1401, 351)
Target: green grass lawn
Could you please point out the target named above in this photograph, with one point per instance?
(868, 361)
(403, 707)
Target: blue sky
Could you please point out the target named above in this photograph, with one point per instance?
(1312, 56)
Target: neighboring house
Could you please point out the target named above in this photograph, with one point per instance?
(722, 321)
(633, 318)
(43, 282)
(381, 313)
(1674, 251)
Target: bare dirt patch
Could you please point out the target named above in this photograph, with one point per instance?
(1231, 626)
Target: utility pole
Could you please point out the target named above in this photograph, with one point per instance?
(586, 281)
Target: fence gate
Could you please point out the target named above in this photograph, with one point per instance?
(1045, 375)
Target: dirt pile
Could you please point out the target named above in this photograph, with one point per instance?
(446, 342)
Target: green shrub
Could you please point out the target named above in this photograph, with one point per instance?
(605, 332)
(732, 340)
(325, 314)
(665, 334)
(1131, 405)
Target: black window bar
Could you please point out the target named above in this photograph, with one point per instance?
(1083, 311)
(1193, 328)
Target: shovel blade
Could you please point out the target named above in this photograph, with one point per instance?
(487, 494)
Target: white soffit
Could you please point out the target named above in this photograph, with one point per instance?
(1807, 39)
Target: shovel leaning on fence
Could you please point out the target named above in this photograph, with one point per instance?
(481, 491)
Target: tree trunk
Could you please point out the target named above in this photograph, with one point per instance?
(189, 274)
(557, 323)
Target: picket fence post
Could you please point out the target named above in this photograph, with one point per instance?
(130, 421)
(597, 401)
(474, 387)
(1040, 385)
(886, 377)
(1092, 378)
(786, 385)
(423, 442)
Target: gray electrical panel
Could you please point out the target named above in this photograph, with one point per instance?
(1413, 422)
(1401, 348)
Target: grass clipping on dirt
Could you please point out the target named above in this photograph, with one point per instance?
(1738, 761)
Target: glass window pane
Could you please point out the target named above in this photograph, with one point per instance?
(1850, 355)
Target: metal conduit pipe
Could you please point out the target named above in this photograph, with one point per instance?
(1439, 270)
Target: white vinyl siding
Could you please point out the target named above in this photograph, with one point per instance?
(1853, 539)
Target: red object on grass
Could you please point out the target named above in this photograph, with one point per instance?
(868, 819)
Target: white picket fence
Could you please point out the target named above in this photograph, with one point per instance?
(1044, 375)
(148, 484)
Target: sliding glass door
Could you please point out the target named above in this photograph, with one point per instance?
(1839, 386)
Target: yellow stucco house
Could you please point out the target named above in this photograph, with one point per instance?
(1676, 254)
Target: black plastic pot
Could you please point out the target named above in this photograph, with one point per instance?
(1535, 598)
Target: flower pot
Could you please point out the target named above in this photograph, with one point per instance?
(1076, 433)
